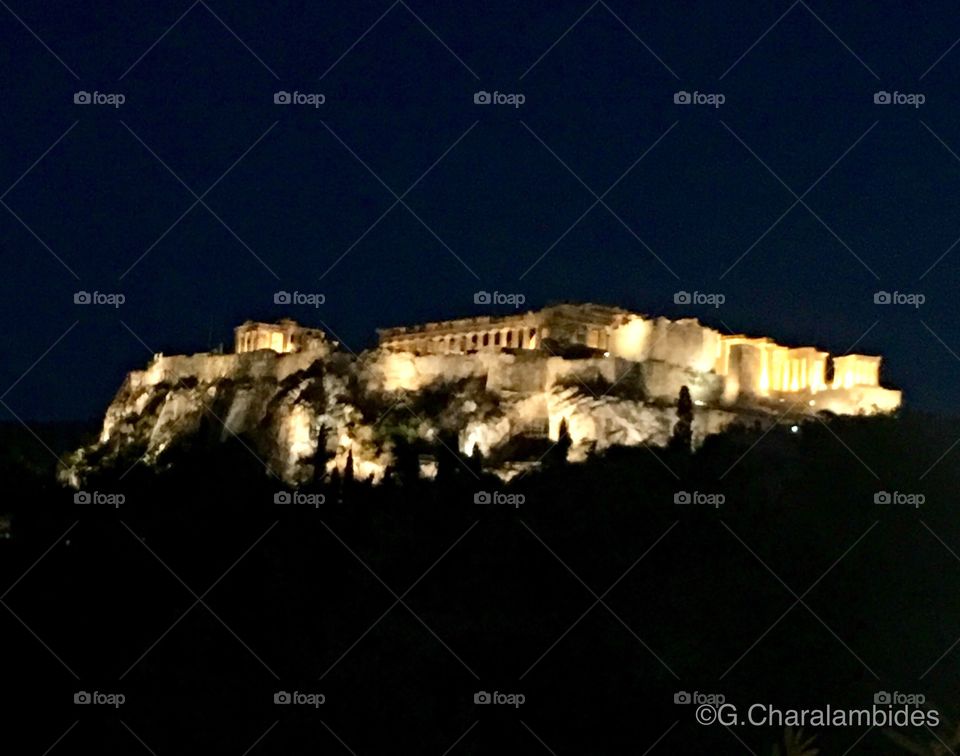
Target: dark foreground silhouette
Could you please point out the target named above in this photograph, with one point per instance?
(598, 599)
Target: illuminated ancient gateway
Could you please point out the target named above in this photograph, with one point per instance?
(749, 366)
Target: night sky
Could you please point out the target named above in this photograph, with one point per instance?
(797, 199)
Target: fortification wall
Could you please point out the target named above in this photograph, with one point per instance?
(857, 400)
(631, 340)
(405, 371)
(208, 368)
(663, 382)
(685, 343)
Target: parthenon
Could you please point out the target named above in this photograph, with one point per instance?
(752, 366)
(566, 324)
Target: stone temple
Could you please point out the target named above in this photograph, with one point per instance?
(749, 367)
(284, 336)
(611, 375)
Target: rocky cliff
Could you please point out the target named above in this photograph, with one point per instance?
(301, 414)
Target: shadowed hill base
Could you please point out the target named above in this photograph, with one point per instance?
(594, 590)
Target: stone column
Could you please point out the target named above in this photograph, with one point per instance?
(763, 384)
(815, 376)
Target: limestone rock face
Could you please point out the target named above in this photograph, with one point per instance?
(301, 414)
(278, 406)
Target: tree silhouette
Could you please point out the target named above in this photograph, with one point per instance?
(476, 461)
(682, 437)
(320, 457)
(406, 461)
(558, 452)
(348, 469)
(450, 465)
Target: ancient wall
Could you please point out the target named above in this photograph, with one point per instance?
(663, 381)
(686, 343)
(207, 368)
(631, 339)
(858, 400)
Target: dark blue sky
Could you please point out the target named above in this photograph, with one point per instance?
(302, 185)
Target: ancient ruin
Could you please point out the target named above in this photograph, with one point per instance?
(284, 336)
(610, 375)
(751, 367)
